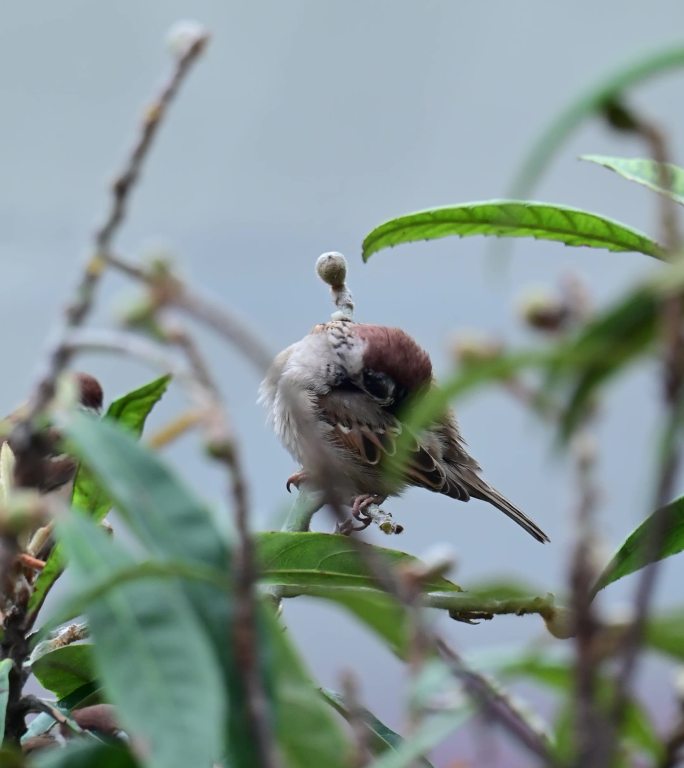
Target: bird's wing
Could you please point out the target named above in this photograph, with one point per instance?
(371, 433)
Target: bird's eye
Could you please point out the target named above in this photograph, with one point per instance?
(378, 385)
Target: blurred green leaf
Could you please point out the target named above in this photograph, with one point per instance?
(501, 588)
(64, 670)
(633, 554)
(511, 218)
(87, 755)
(585, 105)
(604, 347)
(323, 559)
(9, 758)
(131, 411)
(429, 734)
(665, 633)
(151, 654)
(162, 511)
(82, 697)
(307, 732)
(172, 524)
(646, 172)
(5, 668)
(381, 738)
(560, 675)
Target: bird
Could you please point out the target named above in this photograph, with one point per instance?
(340, 393)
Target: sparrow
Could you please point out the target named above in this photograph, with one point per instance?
(339, 393)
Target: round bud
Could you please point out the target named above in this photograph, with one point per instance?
(544, 312)
(183, 35)
(470, 348)
(331, 267)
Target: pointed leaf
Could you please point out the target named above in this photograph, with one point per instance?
(433, 730)
(633, 554)
(647, 172)
(587, 104)
(174, 525)
(511, 218)
(381, 737)
(323, 559)
(82, 697)
(65, 670)
(151, 654)
(604, 347)
(162, 511)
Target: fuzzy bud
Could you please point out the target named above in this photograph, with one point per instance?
(472, 348)
(183, 35)
(331, 267)
(544, 312)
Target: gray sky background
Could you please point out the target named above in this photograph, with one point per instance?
(307, 124)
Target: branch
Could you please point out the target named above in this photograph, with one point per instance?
(121, 190)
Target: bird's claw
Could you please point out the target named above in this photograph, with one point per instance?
(295, 479)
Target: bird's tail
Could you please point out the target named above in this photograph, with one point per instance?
(481, 490)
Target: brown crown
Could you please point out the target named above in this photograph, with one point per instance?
(395, 353)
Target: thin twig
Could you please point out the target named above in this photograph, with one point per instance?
(498, 706)
(174, 429)
(354, 716)
(121, 190)
(223, 448)
(591, 728)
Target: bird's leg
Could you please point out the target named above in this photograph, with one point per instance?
(360, 506)
(296, 479)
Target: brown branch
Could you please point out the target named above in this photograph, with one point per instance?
(121, 190)
(223, 448)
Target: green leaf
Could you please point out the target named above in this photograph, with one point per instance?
(306, 730)
(665, 633)
(560, 675)
(172, 524)
(511, 218)
(323, 559)
(381, 738)
(5, 668)
(330, 567)
(87, 755)
(9, 758)
(131, 410)
(162, 511)
(64, 670)
(152, 657)
(82, 697)
(647, 172)
(433, 730)
(633, 554)
(603, 348)
(585, 105)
